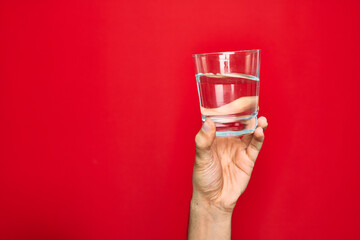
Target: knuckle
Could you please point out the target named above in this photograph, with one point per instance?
(259, 137)
(201, 142)
(254, 146)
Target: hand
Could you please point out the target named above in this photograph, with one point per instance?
(223, 165)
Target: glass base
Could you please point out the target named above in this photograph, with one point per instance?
(234, 126)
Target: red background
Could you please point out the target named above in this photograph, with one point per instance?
(99, 110)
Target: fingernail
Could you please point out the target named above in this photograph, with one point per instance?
(206, 127)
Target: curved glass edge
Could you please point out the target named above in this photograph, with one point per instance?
(228, 52)
(254, 114)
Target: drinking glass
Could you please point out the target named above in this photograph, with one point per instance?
(228, 86)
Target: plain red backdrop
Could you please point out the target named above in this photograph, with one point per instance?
(99, 109)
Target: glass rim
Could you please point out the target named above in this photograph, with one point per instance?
(227, 52)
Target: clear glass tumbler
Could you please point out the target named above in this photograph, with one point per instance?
(228, 86)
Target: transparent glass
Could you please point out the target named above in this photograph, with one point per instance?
(228, 86)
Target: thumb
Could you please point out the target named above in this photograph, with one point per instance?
(205, 138)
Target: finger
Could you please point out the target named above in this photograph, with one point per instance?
(255, 144)
(262, 122)
(251, 123)
(204, 139)
(246, 139)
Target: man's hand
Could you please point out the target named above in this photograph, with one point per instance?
(222, 170)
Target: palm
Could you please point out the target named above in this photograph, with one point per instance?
(231, 170)
(223, 173)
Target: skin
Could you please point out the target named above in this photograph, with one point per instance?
(222, 170)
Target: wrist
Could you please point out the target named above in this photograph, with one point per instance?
(208, 222)
(208, 209)
(214, 205)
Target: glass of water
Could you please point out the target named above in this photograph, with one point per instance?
(228, 87)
